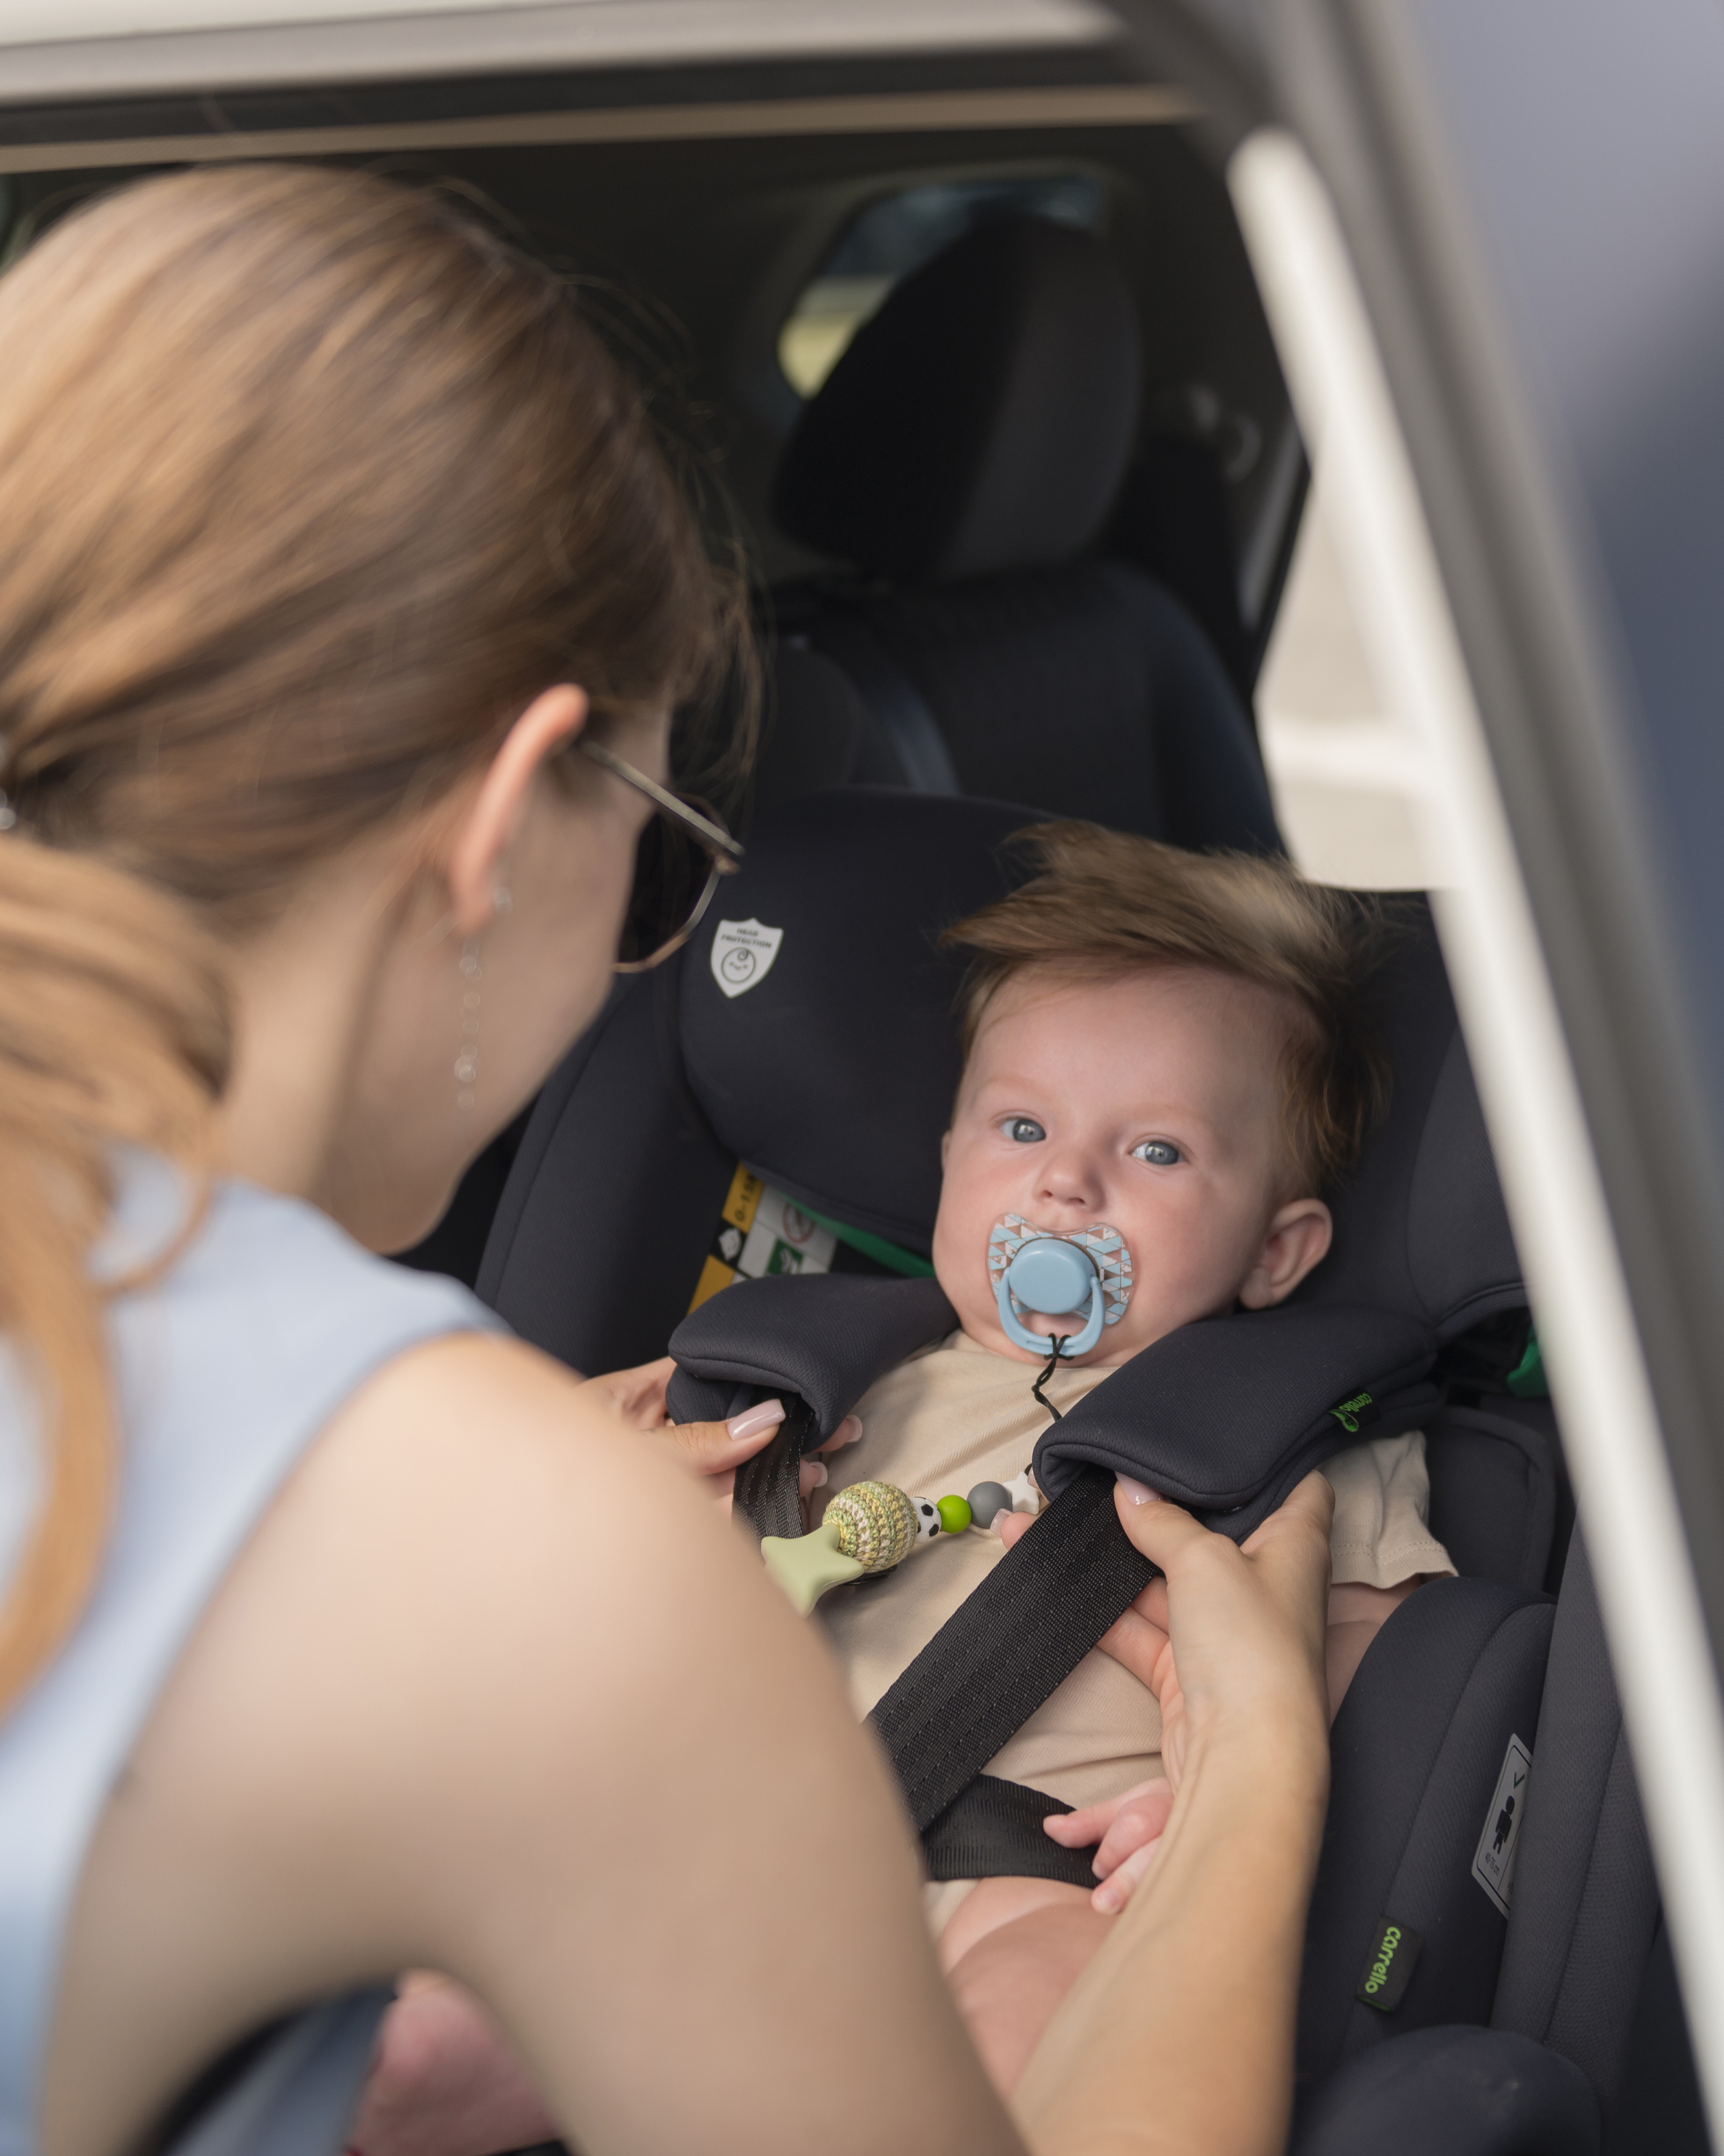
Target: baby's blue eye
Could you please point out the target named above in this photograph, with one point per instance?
(1023, 1130)
(1157, 1152)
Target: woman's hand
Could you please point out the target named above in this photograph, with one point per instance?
(1247, 1613)
(715, 1450)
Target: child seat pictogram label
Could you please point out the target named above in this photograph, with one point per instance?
(1494, 1860)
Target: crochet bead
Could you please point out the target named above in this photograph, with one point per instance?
(954, 1514)
(876, 1524)
(986, 1499)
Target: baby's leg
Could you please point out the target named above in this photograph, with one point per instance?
(444, 2082)
(1011, 1952)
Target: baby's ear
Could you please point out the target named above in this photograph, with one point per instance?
(1298, 1240)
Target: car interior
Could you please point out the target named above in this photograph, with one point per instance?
(996, 419)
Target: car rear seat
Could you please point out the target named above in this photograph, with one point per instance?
(959, 460)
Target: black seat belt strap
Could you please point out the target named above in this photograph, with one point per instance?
(1009, 1645)
(767, 1490)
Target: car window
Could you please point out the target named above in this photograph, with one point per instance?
(897, 234)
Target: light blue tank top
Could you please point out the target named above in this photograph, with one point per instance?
(224, 1372)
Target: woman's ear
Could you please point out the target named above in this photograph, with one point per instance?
(489, 824)
(1298, 1239)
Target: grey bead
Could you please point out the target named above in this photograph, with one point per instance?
(986, 1499)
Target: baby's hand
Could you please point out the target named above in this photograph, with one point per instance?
(1129, 1830)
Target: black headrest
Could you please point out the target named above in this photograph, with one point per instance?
(981, 420)
(831, 1065)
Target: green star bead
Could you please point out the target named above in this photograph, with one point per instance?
(955, 1514)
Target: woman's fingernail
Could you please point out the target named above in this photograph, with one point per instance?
(1107, 1899)
(813, 1476)
(1139, 1493)
(755, 1420)
(848, 1431)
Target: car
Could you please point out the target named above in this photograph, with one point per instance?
(1390, 447)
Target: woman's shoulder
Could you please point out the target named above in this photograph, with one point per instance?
(254, 1269)
(242, 1320)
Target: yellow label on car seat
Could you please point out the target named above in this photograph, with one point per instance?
(744, 1199)
(761, 1231)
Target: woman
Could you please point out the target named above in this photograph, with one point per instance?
(343, 600)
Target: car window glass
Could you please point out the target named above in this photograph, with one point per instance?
(897, 234)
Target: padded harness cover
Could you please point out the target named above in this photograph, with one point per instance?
(1223, 1416)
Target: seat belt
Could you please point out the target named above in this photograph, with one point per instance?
(1009, 1645)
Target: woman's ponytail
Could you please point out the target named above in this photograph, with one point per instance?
(308, 485)
(113, 1031)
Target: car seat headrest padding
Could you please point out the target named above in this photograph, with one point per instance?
(982, 420)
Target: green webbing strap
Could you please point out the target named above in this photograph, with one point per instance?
(894, 1258)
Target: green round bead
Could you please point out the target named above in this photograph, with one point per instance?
(955, 1515)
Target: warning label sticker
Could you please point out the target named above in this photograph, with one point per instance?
(1494, 1861)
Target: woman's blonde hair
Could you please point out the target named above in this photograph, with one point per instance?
(309, 483)
(1102, 906)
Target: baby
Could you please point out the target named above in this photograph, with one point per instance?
(1164, 1048)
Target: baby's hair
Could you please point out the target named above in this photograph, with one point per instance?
(1103, 906)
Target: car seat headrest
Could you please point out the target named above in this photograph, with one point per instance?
(834, 1059)
(981, 420)
(820, 1038)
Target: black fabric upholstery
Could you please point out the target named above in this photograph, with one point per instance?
(980, 421)
(1586, 1898)
(1083, 688)
(1421, 1227)
(1457, 2091)
(1495, 1481)
(960, 456)
(814, 732)
(1417, 1748)
(598, 1241)
(1173, 520)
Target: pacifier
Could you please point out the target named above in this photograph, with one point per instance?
(1087, 1272)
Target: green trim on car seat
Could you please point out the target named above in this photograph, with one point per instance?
(1527, 1381)
(890, 1254)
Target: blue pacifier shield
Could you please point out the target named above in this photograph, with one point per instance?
(1052, 1276)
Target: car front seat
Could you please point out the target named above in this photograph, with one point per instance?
(959, 460)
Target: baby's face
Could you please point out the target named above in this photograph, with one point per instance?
(1152, 1105)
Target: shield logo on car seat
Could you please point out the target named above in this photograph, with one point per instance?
(742, 954)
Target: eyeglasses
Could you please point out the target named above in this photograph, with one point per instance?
(684, 852)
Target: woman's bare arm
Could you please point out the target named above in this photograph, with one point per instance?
(494, 1692)
(1178, 2040)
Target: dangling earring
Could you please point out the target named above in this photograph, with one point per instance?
(467, 1062)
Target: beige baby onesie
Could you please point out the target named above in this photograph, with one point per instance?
(956, 1414)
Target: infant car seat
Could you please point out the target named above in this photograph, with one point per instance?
(771, 1103)
(960, 460)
